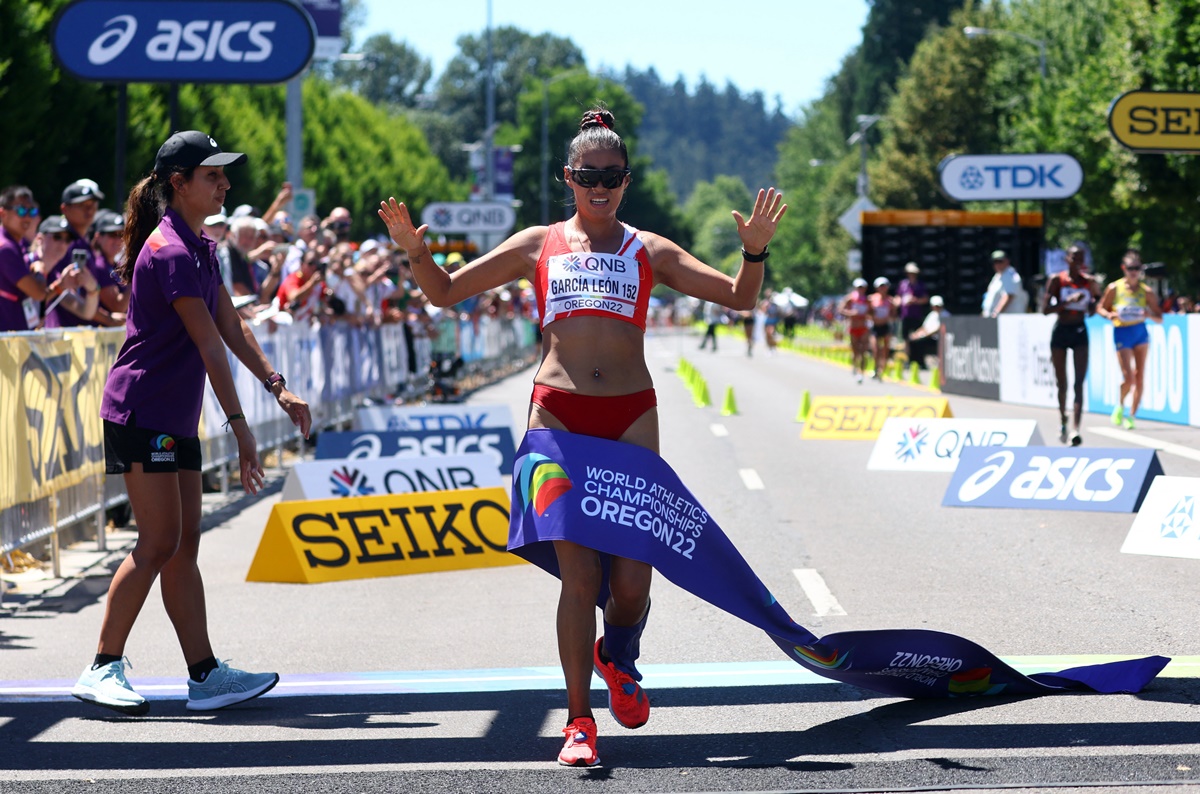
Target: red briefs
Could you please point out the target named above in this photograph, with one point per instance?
(588, 415)
(861, 331)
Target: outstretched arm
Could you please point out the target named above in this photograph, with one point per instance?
(681, 271)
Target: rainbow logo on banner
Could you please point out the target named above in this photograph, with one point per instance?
(829, 661)
(542, 481)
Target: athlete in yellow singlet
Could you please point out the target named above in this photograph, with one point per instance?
(1128, 302)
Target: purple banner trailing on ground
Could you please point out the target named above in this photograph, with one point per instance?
(624, 500)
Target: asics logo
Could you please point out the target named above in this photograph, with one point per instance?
(197, 40)
(112, 42)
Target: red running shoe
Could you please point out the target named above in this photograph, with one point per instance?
(627, 701)
(580, 749)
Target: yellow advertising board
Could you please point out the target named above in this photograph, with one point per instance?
(50, 391)
(328, 540)
(1156, 121)
(861, 418)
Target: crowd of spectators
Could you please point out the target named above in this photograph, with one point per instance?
(57, 270)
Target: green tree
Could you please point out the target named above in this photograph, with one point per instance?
(389, 73)
(889, 37)
(708, 213)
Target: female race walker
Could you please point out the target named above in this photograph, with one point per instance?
(855, 308)
(180, 319)
(593, 377)
(883, 314)
(1072, 296)
(1128, 302)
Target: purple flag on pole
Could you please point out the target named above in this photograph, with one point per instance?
(624, 500)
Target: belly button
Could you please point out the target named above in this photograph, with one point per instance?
(596, 372)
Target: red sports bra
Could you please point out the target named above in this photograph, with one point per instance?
(576, 283)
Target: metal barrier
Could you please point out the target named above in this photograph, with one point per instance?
(51, 384)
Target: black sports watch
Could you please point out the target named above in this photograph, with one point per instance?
(274, 378)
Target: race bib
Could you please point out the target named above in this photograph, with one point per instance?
(600, 283)
(1131, 314)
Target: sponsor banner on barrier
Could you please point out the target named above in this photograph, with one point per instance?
(971, 357)
(495, 442)
(337, 539)
(1026, 371)
(1050, 478)
(432, 417)
(1165, 525)
(50, 390)
(326, 479)
(1166, 395)
(913, 444)
(861, 418)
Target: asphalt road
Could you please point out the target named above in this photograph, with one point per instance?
(449, 681)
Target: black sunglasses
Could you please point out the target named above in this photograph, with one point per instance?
(24, 212)
(590, 177)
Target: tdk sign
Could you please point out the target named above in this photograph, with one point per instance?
(1010, 177)
(150, 41)
(1049, 478)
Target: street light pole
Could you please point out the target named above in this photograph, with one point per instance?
(972, 32)
(864, 123)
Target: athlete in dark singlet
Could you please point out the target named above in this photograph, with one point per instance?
(593, 276)
(1072, 296)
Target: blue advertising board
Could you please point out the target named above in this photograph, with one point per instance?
(214, 41)
(1166, 391)
(1053, 478)
(496, 442)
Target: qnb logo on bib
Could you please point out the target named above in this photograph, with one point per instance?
(113, 41)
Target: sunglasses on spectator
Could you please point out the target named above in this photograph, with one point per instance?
(590, 177)
(24, 212)
(1135, 268)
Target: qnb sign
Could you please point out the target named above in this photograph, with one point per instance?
(468, 216)
(1010, 177)
(219, 41)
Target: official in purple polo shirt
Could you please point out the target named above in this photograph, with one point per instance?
(179, 322)
(80, 203)
(21, 289)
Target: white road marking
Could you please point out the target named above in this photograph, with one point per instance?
(751, 479)
(1147, 441)
(720, 431)
(824, 604)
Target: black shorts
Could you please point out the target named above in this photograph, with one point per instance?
(125, 445)
(1068, 336)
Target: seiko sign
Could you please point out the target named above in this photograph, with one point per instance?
(468, 216)
(217, 41)
(1010, 177)
(1109, 480)
(1156, 121)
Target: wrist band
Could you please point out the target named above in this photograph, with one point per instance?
(232, 418)
(759, 257)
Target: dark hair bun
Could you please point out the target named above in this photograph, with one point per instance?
(597, 117)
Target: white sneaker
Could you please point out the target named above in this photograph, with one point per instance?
(106, 686)
(226, 686)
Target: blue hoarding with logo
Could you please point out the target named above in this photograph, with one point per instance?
(496, 442)
(1053, 478)
(1165, 397)
(1010, 177)
(216, 41)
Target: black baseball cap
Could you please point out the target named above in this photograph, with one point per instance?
(193, 148)
(54, 224)
(109, 221)
(81, 190)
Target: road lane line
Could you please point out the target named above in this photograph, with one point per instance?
(1147, 441)
(719, 431)
(823, 601)
(751, 479)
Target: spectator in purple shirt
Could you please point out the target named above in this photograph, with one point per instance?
(914, 302)
(180, 321)
(22, 289)
(108, 249)
(80, 203)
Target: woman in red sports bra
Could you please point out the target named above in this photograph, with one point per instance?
(593, 275)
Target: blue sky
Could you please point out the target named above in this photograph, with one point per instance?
(785, 48)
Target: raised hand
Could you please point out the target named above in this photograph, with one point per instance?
(400, 226)
(758, 231)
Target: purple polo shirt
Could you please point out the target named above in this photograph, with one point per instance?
(912, 311)
(157, 381)
(12, 269)
(59, 317)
